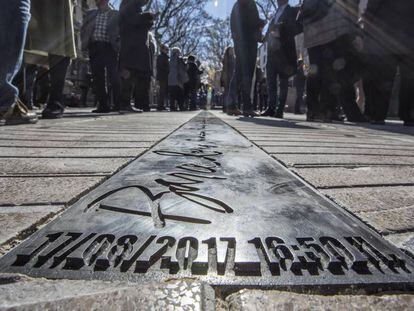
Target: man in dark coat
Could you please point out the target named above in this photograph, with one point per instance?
(193, 73)
(281, 56)
(163, 69)
(389, 42)
(100, 37)
(246, 29)
(135, 54)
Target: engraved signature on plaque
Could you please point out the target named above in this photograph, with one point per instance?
(187, 179)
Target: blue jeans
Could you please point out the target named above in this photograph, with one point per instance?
(14, 19)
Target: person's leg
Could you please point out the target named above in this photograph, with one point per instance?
(127, 86)
(283, 90)
(271, 87)
(14, 19)
(97, 60)
(31, 74)
(142, 88)
(313, 86)
(58, 68)
(113, 76)
(349, 104)
(162, 95)
(249, 57)
(232, 99)
(407, 90)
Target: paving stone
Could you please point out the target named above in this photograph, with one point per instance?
(251, 300)
(62, 166)
(70, 152)
(21, 293)
(395, 220)
(42, 143)
(77, 137)
(15, 191)
(373, 199)
(402, 240)
(318, 159)
(339, 176)
(16, 219)
(350, 144)
(339, 151)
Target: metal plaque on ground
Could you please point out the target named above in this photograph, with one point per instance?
(207, 203)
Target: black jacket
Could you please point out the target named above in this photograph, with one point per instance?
(163, 67)
(389, 27)
(245, 22)
(288, 28)
(134, 27)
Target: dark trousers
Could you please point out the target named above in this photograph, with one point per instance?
(135, 85)
(142, 93)
(300, 92)
(246, 55)
(333, 68)
(58, 69)
(406, 110)
(163, 94)
(378, 84)
(104, 67)
(176, 97)
(276, 100)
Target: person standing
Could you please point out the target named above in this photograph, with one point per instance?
(14, 20)
(281, 56)
(135, 54)
(163, 69)
(388, 43)
(246, 29)
(228, 64)
(193, 73)
(177, 77)
(330, 35)
(100, 37)
(51, 31)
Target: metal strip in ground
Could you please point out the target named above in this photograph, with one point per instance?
(209, 204)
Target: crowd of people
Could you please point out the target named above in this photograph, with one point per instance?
(123, 60)
(344, 47)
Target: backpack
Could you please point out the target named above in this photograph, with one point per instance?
(313, 10)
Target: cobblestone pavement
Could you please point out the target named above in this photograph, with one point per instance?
(368, 170)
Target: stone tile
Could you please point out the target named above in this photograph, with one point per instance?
(373, 199)
(70, 152)
(32, 166)
(72, 144)
(318, 159)
(15, 191)
(21, 293)
(339, 151)
(346, 144)
(16, 219)
(252, 300)
(402, 240)
(342, 176)
(395, 220)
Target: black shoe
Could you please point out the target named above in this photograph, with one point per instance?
(409, 123)
(53, 111)
(378, 122)
(101, 110)
(147, 109)
(268, 113)
(249, 114)
(279, 115)
(129, 109)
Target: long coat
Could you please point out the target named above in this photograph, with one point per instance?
(112, 29)
(289, 28)
(51, 27)
(341, 20)
(389, 27)
(135, 53)
(245, 22)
